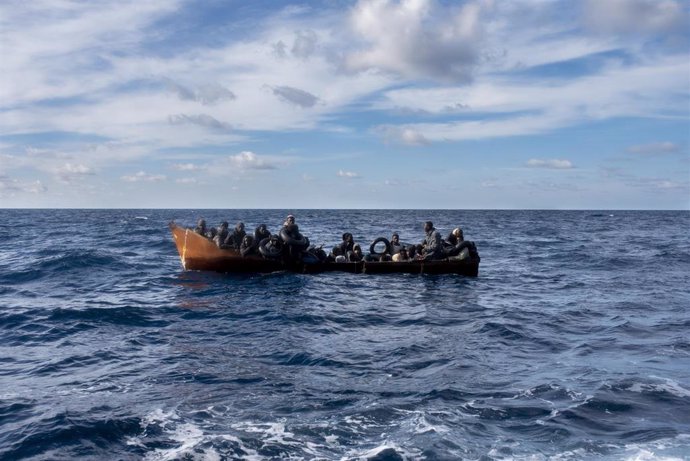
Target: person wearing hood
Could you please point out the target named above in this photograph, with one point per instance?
(221, 235)
(455, 237)
(356, 254)
(260, 233)
(234, 240)
(201, 227)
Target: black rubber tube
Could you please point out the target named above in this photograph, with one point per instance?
(372, 248)
(270, 253)
(300, 241)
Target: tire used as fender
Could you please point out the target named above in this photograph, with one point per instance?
(372, 248)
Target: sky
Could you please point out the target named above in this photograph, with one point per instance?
(510, 104)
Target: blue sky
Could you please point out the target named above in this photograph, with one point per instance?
(345, 104)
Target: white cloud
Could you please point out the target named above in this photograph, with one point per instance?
(186, 167)
(500, 107)
(551, 163)
(347, 174)
(69, 171)
(403, 135)
(654, 148)
(250, 161)
(141, 176)
(186, 181)
(9, 187)
(417, 38)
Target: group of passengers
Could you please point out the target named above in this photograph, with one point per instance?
(292, 245)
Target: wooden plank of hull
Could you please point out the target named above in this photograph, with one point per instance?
(200, 253)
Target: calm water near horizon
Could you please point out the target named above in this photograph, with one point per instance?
(572, 343)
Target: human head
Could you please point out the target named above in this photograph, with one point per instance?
(428, 226)
(290, 219)
(262, 227)
(240, 226)
(395, 238)
(347, 237)
(357, 249)
(224, 225)
(201, 223)
(403, 253)
(457, 232)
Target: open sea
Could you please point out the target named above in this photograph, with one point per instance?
(572, 343)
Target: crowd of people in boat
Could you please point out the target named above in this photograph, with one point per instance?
(289, 244)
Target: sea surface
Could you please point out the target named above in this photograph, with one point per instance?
(572, 343)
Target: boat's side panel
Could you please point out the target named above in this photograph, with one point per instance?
(234, 264)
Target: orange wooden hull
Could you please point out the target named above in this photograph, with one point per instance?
(199, 253)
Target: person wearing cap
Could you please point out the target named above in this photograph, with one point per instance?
(455, 237)
(289, 220)
(433, 246)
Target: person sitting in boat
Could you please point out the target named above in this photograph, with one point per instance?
(201, 227)
(289, 220)
(221, 235)
(261, 232)
(395, 245)
(433, 246)
(401, 255)
(234, 240)
(456, 236)
(248, 246)
(356, 254)
(295, 242)
(347, 244)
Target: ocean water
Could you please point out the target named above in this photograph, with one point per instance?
(572, 343)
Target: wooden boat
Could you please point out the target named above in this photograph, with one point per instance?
(199, 253)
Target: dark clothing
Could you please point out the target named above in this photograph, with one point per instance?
(346, 246)
(234, 240)
(201, 230)
(433, 245)
(221, 237)
(260, 234)
(248, 248)
(452, 239)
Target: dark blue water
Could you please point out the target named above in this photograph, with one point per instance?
(573, 342)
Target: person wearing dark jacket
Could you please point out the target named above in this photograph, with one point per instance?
(433, 246)
(221, 235)
(455, 237)
(201, 227)
(261, 232)
(234, 240)
(248, 246)
(347, 244)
